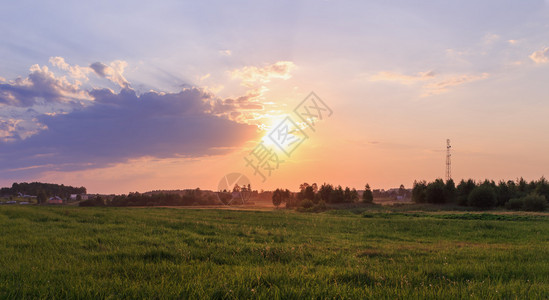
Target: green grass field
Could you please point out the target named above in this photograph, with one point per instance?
(71, 252)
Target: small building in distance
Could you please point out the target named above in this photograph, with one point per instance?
(55, 200)
(74, 197)
(25, 196)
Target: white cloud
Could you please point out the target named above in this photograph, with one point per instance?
(513, 42)
(75, 71)
(112, 72)
(438, 87)
(402, 78)
(7, 129)
(252, 74)
(16, 129)
(205, 77)
(41, 86)
(491, 38)
(540, 56)
(226, 52)
(431, 84)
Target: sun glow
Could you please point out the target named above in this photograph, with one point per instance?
(267, 127)
(282, 134)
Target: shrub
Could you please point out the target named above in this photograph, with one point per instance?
(321, 206)
(304, 206)
(514, 204)
(97, 201)
(482, 196)
(534, 202)
(306, 203)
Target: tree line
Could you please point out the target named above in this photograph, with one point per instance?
(517, 195)
(180, 198)
(311, 195)
(42, 190)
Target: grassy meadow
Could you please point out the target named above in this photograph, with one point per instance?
(72, 252)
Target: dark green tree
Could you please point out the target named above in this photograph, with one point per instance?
(338, 195)
(277, 197)
(354, 195)
(367, 196)
(434, 193)
(418, 191)
(306, 191)
(542, 187)
(507, 191)
(483, 197)
(347, 194)
(522, 187)
(464, 188)
(325, 192)
(450, 192)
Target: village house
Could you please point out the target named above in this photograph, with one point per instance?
(55, 200)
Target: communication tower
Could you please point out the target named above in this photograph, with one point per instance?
(448, 161)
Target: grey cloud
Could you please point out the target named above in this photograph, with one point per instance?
(112, 72)
(99, 68)
(122, 126)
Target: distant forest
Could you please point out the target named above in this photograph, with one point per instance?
(514, 195)
(159, 198)
(42, 190)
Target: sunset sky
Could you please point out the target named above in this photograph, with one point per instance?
(121, 96)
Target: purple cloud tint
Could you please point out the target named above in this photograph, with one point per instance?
(121, 126)
(40, 85)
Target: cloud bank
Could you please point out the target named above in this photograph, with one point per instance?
(41, 86)
(104, 127)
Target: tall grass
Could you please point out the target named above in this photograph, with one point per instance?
(65, 252)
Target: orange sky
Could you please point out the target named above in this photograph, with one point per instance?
(176, 100)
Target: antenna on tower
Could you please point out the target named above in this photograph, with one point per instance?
(448, 161)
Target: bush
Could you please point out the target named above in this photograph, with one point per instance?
(514, 204)
(534, 203)
(482, 196)
(304, 206)
(306, 203)
(97, 201)
(321, 206)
